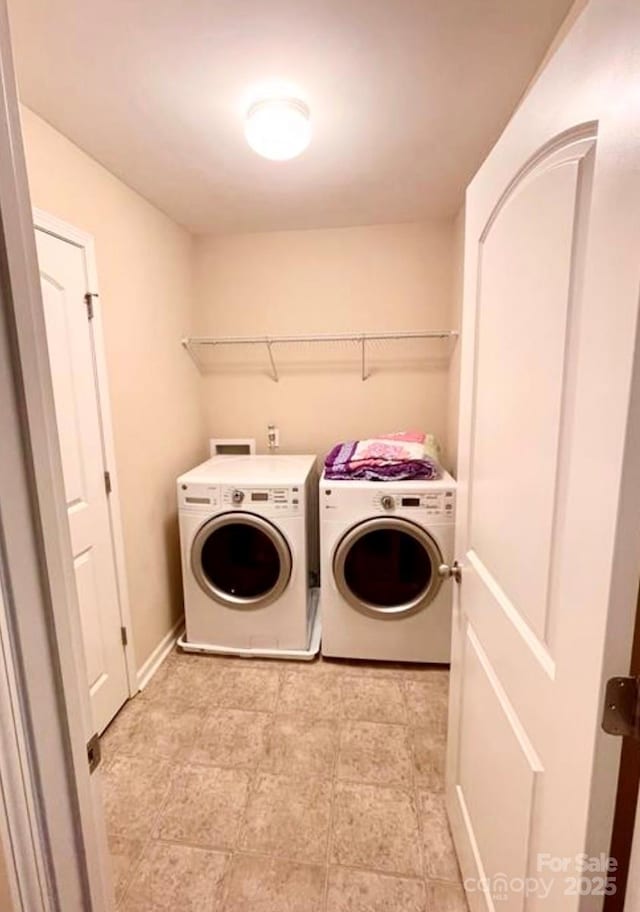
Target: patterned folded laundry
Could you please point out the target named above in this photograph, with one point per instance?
(390, 457)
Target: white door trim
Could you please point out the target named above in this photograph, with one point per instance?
(39, 593)
(50, 224)
(25, 861)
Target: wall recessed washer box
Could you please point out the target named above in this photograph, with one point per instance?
(232, 446)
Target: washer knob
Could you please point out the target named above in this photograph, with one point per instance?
(237, 497)
(387, 502)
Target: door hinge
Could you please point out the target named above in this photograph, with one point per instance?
(124, 636)
(621, 714)
(107, 482)
(94, 753)
(88, 299)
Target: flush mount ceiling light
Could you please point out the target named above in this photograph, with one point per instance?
(278, 128)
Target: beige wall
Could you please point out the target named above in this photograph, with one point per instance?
(575, 10)
(145, 275)
(385, 277)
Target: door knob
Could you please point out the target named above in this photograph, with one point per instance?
(453, 571)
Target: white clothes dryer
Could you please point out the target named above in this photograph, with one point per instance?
(383, 548)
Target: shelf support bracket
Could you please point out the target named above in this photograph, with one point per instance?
(189, 349)
(274, 369)
(363, 357)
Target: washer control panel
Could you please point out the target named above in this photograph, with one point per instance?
(198, 497)
(214, 498)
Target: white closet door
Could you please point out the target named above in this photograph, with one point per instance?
(548, 534)
(71, 355)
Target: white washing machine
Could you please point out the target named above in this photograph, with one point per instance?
(381, 547)
(247, 533)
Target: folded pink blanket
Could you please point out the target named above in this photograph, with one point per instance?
(405, 455)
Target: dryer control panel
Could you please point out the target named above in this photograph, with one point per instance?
(431, 503)
(262, 500)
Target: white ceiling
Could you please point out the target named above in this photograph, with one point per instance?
(406, 98)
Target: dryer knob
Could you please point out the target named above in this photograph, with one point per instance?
(237, 497)
(388, 503)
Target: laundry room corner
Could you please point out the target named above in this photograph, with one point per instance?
(144, 266)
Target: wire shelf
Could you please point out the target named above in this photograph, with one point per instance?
(193, 343)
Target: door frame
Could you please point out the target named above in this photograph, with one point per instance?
(624, 844)
(51, 224)
(51, 817)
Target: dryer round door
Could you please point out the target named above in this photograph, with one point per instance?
(241, 560)
(388, 567)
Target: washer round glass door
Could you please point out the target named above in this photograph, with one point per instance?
(241, 560)
(387, 566)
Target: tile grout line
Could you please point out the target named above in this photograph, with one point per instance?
(251, 790)
(149, 840)
(427, 877)
(334, 785)
(417, 790)
(399, 875)
(145, 841)
(415, 794)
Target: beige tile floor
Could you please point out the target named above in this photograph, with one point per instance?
(234, 785)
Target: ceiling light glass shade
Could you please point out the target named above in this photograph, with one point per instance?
(278, 128)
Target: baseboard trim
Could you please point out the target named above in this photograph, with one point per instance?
(159, 654)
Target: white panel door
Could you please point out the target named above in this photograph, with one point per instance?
(548, 535)
(63, 275)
